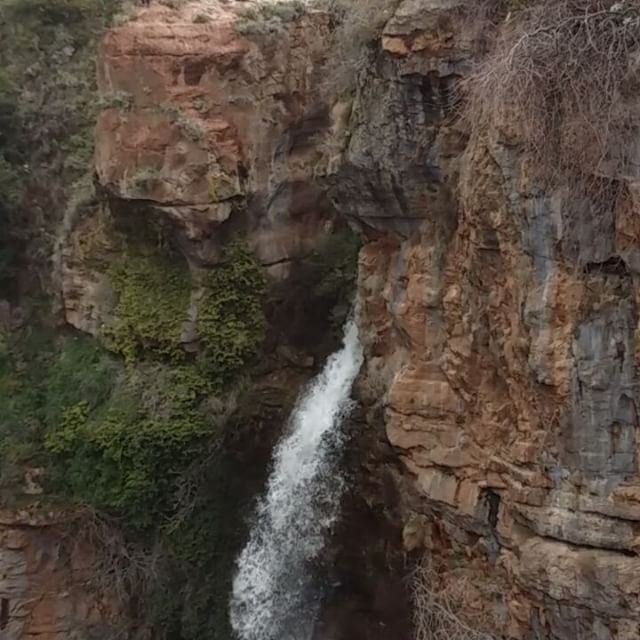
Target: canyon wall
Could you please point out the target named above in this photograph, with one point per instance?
(497, 426)
(47, 581)
(501, 326)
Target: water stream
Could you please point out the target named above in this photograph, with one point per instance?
(274, 595)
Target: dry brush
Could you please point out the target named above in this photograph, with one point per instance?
(443, 607)
(563, 75)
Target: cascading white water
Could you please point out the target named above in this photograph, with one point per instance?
(273, 590)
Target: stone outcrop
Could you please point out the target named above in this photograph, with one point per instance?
(47, 581)
(215, 129)
(211, 124)
(502, 333)
(500, 323)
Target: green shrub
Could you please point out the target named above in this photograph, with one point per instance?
(190, 127)
(204, 536)
(117, 100)
(330, 273)
(154, 293)
(336, 264)
(285, 11)
(52, 12)
(81, 372)
(125, 465)
(47, 114)
(231, 319)
(145, 178)
(35, 21)
(40, 379)
(153, 298)
(269, 18)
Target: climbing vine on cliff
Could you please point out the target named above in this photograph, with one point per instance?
(124, 458)
(41, 377)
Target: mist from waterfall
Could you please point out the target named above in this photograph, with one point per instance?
(274, 596)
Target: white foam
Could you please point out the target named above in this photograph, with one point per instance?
(273, 596)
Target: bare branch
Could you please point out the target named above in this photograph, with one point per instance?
(441, 607)
(561, 78)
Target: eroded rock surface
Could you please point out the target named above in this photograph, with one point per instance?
(502, 331)
(48, 582)
(209, 126)
(500, 323)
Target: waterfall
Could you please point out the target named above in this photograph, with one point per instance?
(273, 595)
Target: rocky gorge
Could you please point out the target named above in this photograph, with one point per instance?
(245, 153)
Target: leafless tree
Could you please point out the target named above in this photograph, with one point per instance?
(561, 79)
(121, 569)
(441, 607)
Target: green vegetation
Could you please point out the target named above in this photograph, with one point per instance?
(231, 321)
(122, 459)
(41, 377)
(269, 18)
(330, 274)
(191, 600)
(115, 437)
(119, 438)
(145, 178)
(153, 292)
(190, 127)
(42, 15)
(112, 438)
(117, 100)
(124, 455)
(336, 264)
(47, 114)
(149, 434)
(148, 438)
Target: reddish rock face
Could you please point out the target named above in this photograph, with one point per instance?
(49, 583)
(213, 132)
(501, 330)
(213, 129)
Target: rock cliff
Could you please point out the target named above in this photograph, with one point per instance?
(215, 127)
(498, 404)
(501, 329)
(48, 581)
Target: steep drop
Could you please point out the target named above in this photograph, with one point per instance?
(273, 590)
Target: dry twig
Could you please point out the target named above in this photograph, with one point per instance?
(563, 73)
(441, 609)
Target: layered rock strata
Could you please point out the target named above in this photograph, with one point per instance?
(500, 321)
